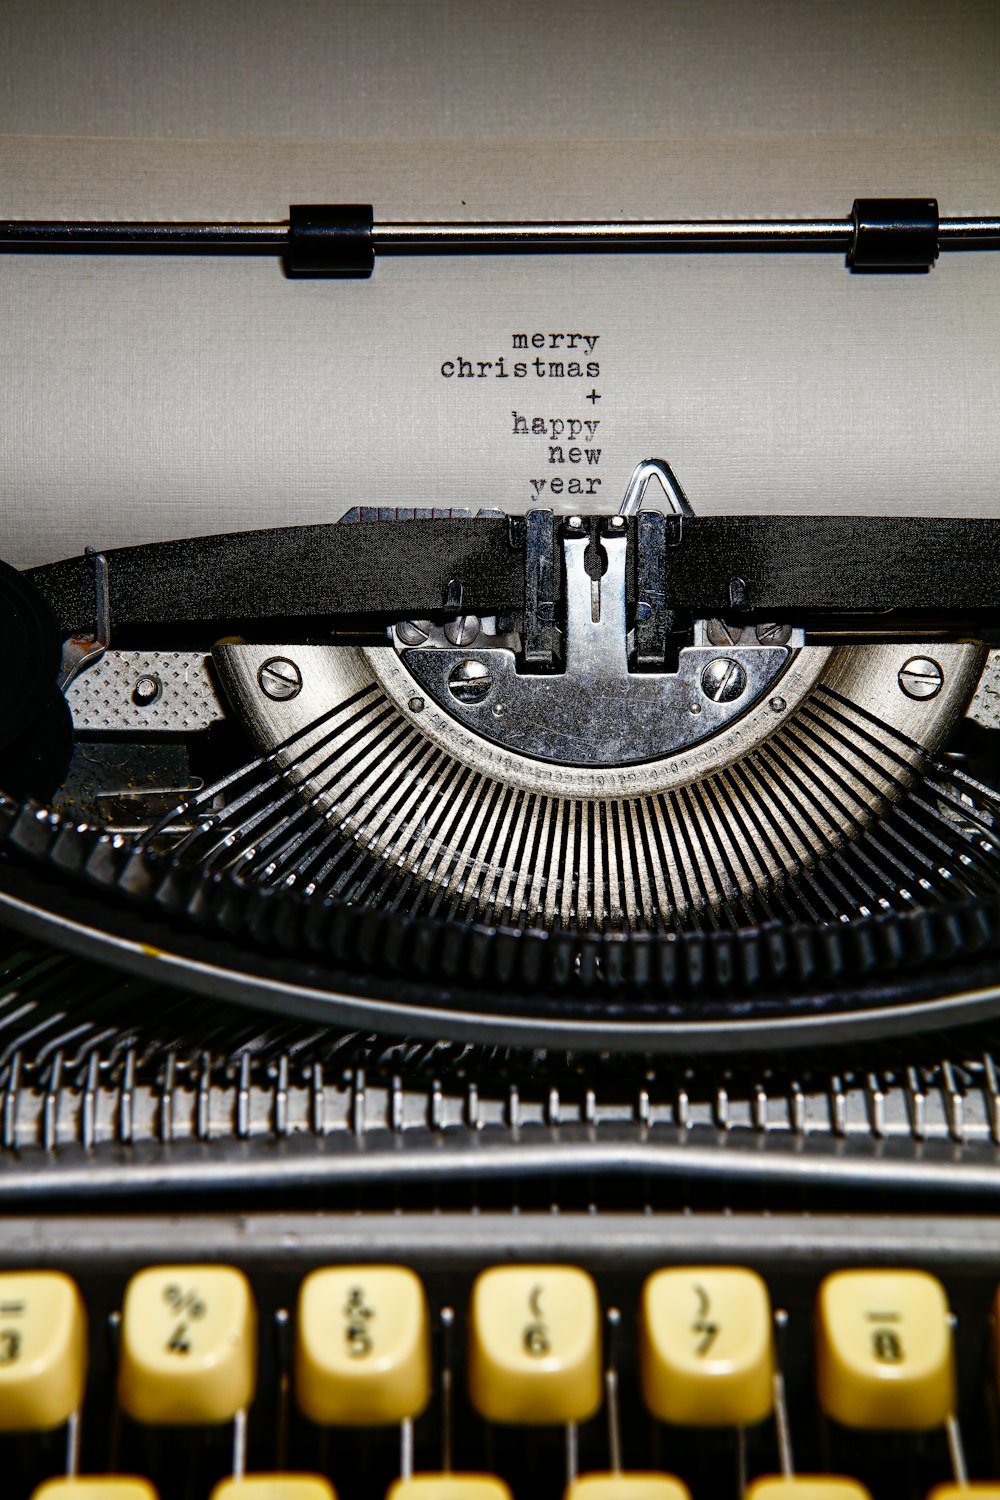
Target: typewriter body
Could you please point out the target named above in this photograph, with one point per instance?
(499, 936)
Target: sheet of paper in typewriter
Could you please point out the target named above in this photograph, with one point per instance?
(166, 395)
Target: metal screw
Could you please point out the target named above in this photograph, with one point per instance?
(463, 630)
(920, 677)
(617, 522)
(413, 632)
(778, 705)
(147, 690)
(721, 633)
(774, 634)
(470, 681)
(574, 523)
(499, 710)
(415, 705)
(723, 680)
(279, 678)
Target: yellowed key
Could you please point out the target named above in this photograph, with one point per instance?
(275, 1487)
(807, 1487)
(535, 1345)
(450, 1487)
(627, 1487)
(707, 1346)
(963, 1491)
(884, 1348)
(43, 1350)
(188, 1345)
(96, 1487)
(362, 1354)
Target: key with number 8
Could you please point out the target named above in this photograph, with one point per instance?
(884, 1349)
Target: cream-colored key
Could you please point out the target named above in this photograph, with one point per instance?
(707, 1346)
(807, 1487)
(188, 1345)
(362, 1353)
(43, 1350)
(450, 1487)
(275, 1487)
(884, 1349)
(96, 1487)
(627, 1487)
(535, 1345)
(965, 1492)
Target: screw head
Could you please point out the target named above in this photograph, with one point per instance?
(920, 677)
(279, 678)
(415, 704)
(722, 633)
(575, 523)
(778, 705)
(463, 630)
(413, 632)
(470, 681)
(146, 691)
(723, 680)
(773, 634)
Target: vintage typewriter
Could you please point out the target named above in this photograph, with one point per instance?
(504, 1000)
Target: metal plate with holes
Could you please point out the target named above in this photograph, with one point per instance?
(162, 691)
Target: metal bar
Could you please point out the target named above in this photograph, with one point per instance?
(115, 236)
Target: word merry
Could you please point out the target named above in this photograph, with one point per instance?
(555, 340)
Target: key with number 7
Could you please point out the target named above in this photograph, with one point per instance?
(706, 1346)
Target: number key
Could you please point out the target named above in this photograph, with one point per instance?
(706, 1346)
(884, 1350)
(362, 1354)
(96, 1487)
(807, 1487)
(43, 1350)
(535, 1345)
(188, 1345)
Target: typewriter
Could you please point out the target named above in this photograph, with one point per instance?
(504, 1004)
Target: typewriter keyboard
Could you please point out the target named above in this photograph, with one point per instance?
(479, 1357)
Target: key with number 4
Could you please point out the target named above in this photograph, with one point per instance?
(188, 1345)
